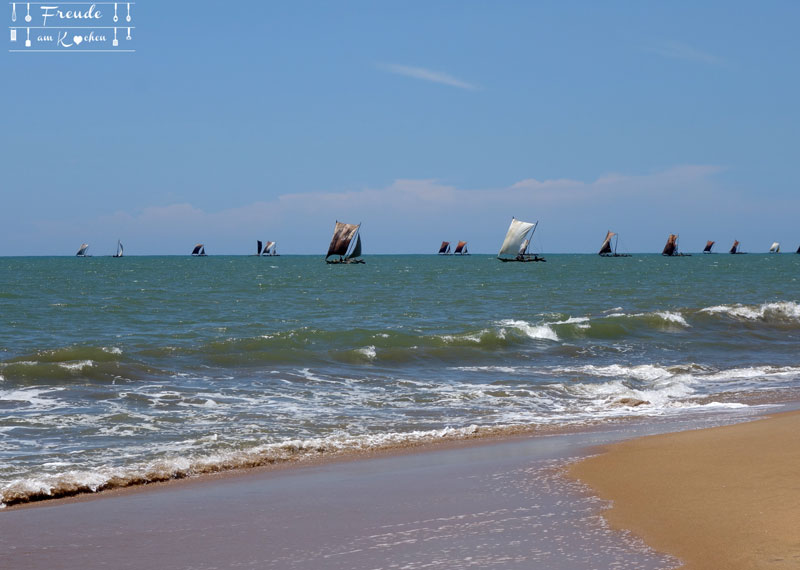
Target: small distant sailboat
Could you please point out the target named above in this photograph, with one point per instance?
(671, 248)
(346, 243)
(444, 249)
(798, 249)
(709, 245)
(461, 248)
(735, 248)
(271, 249)
(775, 247)
(199, 250)
(119, 249)
(82, 250)
(518, 238)
(605, 249)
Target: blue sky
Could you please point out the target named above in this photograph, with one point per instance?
(426, 121)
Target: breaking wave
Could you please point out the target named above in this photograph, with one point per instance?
(780, 312)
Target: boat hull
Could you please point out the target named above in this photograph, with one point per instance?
(526, 259)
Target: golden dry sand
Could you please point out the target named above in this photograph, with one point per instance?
(723, 498)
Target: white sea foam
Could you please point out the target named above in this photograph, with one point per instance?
(671, 317)
(368, 351)
(543, 331)
(112, 350)
(780, 310)
(643, 372)
(76, 366)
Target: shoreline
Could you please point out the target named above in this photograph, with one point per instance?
(503, 502)
(461, 438)
(720, 497)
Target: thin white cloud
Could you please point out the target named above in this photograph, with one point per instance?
(678, 50)
(426, 75)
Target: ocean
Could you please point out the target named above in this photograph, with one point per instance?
(117, 372)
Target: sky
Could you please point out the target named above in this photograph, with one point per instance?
(422, 120)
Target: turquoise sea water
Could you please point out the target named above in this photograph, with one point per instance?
(121, 371)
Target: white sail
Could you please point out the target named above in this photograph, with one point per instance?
(515, 236)
(271, 248)
(119, 248)
(775, 248)
(524, 246)
(82, 250)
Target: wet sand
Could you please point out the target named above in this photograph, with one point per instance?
(501, 505)
(726, 497)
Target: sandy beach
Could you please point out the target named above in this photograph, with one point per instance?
(726, 497)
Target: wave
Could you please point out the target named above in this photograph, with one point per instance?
(75, 482)
(779, 312)
(73, 364)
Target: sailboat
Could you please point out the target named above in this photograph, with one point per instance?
(518, 238)
(775, 247)
(346, 243)
(709, 245)
(798, 250)
(605, 249)
(271, 249)
(199, 250)
(671, 248)
(735, 248)
(461, 248)
(82, 250)
(444, 249)
(119, 249)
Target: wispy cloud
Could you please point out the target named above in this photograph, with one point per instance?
(426, 75)
(678, 50)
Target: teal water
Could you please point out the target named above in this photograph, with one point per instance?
(122, 371)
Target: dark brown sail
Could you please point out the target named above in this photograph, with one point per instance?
(672, 245)
(461, 247)
(735, 247)
(445, 247)
(709, 245)
(343, 234)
